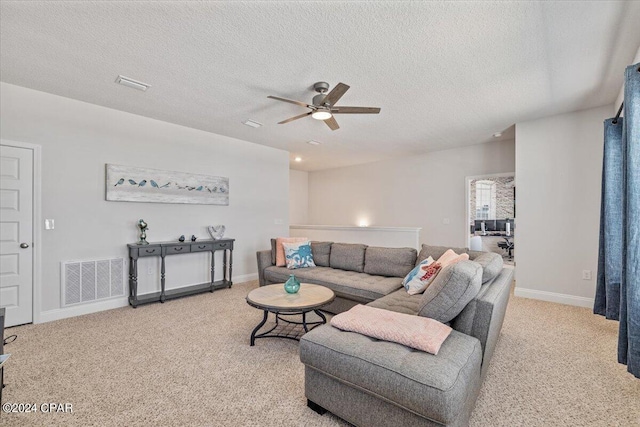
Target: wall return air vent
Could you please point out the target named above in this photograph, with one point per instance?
(89, 281)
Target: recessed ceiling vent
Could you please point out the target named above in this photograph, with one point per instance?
(252, 123)
(134, 84)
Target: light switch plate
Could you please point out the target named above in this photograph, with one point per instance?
(49, 224)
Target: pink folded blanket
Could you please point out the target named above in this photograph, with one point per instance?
(416, 332)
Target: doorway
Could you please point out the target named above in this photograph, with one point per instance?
(18, 190)
(491, 214)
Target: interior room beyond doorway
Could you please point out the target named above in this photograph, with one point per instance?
(491, 207)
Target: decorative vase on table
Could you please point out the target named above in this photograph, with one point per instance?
(143, 226)
(292, 285)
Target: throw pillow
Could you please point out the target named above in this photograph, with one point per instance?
(436, 252)
(421, 276)
(450, 257)
(280, 259)
(298, 255)
(426, 271)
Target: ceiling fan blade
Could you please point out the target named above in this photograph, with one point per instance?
(290, 101)
(355, 110)
(295, 118)
(331, 122)
(335, 94)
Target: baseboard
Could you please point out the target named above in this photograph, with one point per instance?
(245, 278)
(554, 297)
(79, 310)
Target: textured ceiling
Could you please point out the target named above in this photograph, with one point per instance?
(444, 73)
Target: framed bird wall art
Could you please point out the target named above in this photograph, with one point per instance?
(135, 184)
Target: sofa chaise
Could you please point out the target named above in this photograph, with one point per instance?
(369, 382)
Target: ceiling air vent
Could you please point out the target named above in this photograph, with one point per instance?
(134, 84)
(252, 123)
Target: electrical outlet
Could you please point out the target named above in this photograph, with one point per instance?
(586, 274)
(446, 221)
(149, 269)
(277, 221)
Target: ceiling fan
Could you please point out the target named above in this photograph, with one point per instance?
(323, 105)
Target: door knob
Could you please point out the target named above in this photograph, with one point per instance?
(24, 245)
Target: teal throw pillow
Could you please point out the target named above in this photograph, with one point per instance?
(298, 255)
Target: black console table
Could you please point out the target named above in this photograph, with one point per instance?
(163, 249)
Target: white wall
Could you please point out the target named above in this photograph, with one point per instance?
(417, 191)
(558, 179)
(392, 237)
(298, 197)
(77, 140)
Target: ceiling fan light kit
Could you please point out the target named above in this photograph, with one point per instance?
(323, 105)
(321, 114)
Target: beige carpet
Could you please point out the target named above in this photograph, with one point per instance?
(188, 363)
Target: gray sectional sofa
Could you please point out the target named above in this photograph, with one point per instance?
(357, 274)
(369, 382)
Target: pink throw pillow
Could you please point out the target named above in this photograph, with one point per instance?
(450, 257)
(413, 331)
(280, 258)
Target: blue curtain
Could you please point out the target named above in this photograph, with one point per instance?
(618, 284)
(607, 301)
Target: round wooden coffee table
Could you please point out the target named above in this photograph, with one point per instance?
(274, 299)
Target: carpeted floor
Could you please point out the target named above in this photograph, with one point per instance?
(188, 363)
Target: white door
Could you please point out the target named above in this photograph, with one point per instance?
(16, 234)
